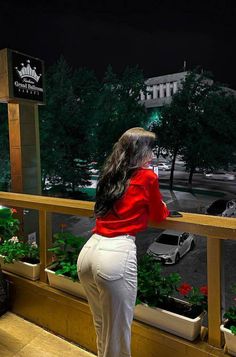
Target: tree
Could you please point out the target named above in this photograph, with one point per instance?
(83, 118)
(4, 149)
(220, 127)
(200, 116)
(210, 140)
(86, 88)
(169, 133)
(118, 108)
(65, 126)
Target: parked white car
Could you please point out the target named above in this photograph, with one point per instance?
(163, 166)
(171, 245)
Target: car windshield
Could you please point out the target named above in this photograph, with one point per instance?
(168, 239)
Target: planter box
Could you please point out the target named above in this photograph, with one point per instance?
(65, 283)
(169, 321)
(27, 270)
(230, 340)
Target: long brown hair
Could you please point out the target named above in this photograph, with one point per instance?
(129, 153)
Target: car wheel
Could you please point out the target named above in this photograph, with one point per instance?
(177, 258)
(192, 246)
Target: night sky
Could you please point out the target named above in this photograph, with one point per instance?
(156, 35)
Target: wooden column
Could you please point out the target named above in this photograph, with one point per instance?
(214, 291)
(45, 231)
(24, 148)
(25, 158)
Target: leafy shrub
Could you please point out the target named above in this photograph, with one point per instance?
(9, 225)
(230, 314)
(154, 289)
(66, 248)
(157, 290)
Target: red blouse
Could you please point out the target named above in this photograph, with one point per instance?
(142, 202)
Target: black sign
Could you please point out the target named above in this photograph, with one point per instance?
(27, 77)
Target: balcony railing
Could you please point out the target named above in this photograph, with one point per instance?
(213, 228)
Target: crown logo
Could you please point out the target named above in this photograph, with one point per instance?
(28, 72)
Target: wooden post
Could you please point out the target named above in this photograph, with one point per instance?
(24, 148)
(22, 87)
(45, 235)
(214, 291)
(25, 158)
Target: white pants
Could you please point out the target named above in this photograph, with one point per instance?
(107, 269)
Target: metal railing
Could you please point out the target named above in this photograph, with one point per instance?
(213, 228)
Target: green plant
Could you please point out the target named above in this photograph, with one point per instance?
(9, 225)
(14, 249)
(230, 314)
(158, 290)
(155, 289)
(66, 248)
(197, 297)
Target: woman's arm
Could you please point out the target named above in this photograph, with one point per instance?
(158, 210)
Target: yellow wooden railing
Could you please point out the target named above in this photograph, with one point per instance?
(213, 228)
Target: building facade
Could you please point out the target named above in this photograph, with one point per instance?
(161, 89)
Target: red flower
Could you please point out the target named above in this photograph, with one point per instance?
(184, 289)
(13, 210)
(204, 290)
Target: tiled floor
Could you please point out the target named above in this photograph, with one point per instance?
(21, 338)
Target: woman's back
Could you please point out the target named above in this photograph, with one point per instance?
(140, 203)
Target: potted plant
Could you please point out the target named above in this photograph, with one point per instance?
(19, 257)
(157, 306)
(229, 327)
(62, 274)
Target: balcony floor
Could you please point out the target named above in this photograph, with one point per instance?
(21, 338)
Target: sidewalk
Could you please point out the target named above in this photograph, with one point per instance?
(21, 338)
(194, 202)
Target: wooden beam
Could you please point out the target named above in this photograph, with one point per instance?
(220, 227)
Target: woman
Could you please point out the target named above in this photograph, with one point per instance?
(127, 198)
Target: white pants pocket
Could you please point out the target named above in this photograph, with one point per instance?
(111, 264)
